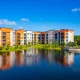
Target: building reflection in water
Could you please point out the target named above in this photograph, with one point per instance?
(33, 56)
(19, 58)
(61, 57)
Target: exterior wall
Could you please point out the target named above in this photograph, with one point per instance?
(37, 37)
(28, 37)
(0, 38)
(10, 37)
(33, 38)
(71, 36)
(42, 37)
(46, 37)
(57, 36)
(12, 40)
(19, 37)
(66, 36)
(51, 37)
(5, 36)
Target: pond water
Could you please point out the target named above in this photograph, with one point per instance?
(39, 64)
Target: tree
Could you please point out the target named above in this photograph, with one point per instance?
(32, 42)
(77, 39)
(75, 43)
(8, 45)
(39, 42)
(29, 43)
(1, 47)
(56, 43)
(63, 43)
(70, 44)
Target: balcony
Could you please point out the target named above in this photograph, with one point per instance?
(3, 37)
(3, 33)
(4, 41)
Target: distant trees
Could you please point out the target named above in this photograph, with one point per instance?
(75, 43)
(71, 44)
(77, 39)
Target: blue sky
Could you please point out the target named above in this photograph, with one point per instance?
(40, 15)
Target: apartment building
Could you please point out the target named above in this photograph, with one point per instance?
(51, 36)
(19, 37)
(46, 37)
(66, 36)
(6, 36)
(28, 37)
(42, 38)
(11, 37)
(37, 37)
(57, 36)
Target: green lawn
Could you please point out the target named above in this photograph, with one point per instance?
(12, 48)
(46, 46)
(24, 47)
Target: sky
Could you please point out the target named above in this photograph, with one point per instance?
(40, 15)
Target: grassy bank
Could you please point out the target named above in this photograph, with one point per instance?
(12, 48)
(24, 47)
(46, 46)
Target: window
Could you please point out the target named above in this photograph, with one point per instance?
(4, 44)
(66, 33)
(3, 33)
(3, 37)
(66, 40)
(8, 32)
(4, 41)
(62, 33)
(27, 33)
(66, 36)
(62, 37)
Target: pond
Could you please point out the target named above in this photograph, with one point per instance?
(39, 64)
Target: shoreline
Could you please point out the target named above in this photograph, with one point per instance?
(38, 46)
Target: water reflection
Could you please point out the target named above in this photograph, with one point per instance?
(61, 57)
(33, 56)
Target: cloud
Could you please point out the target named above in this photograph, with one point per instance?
(44, 27)
(24, 19)
(20, 27)
(75, 10)
(7, 22)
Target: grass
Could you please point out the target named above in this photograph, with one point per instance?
(13, 48)
(24, 47)
(46, 46)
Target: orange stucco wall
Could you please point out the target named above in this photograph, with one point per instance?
(7, 31)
